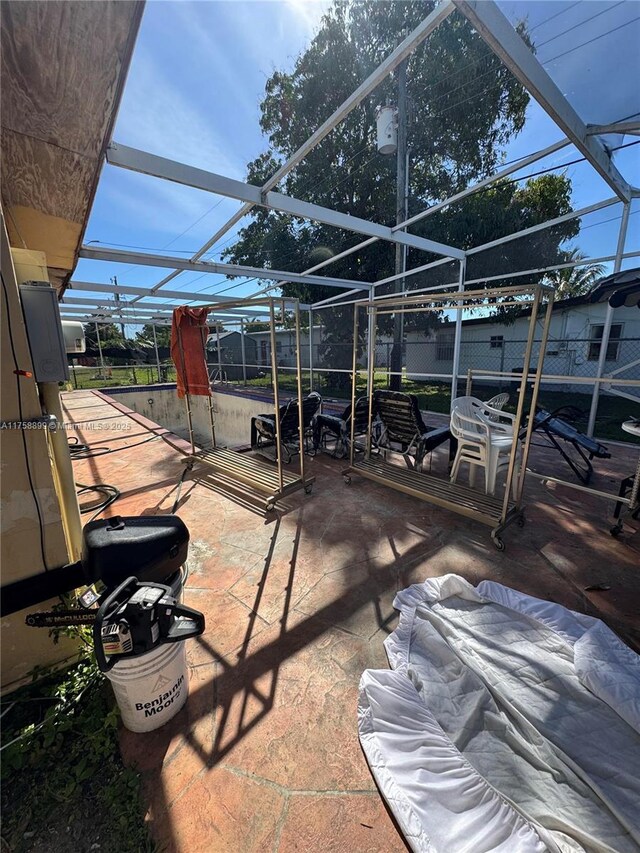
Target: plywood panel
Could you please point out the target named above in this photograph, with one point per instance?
(46, 178)
(63, 67)
(61, 62)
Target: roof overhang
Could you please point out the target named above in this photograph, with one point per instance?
(64, 67)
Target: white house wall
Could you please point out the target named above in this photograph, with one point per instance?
(567, 350)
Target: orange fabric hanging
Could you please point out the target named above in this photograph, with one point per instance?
(190, 361)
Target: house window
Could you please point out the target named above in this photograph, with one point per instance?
(278, 347)
(495, 341)
(263, 352)
(444, 346)
(613, 346)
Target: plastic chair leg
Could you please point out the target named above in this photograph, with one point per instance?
(491, 470)
(456, 467)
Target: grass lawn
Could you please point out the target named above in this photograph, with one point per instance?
(91, 377)
(433, 396)
(436, 397)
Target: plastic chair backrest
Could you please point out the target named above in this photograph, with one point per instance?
(466, 420)
(497, 402)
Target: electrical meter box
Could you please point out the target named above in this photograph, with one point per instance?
(74, 340)
(44, 331)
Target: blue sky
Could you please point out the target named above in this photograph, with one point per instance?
(197, 77)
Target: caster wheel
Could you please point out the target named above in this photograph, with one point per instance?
(347, 481)
(270, 507)
(616, 531)
(308, 490)
(499, 544)
(521, 521)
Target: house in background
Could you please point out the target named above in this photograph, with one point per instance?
(573, 348)
(231, 355)
(286, 346)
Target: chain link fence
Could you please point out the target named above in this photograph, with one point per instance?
(494, 362)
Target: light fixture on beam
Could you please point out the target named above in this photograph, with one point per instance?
(387, 129)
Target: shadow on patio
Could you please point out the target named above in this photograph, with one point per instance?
(266, 755)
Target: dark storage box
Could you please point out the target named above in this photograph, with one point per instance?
(149, 548)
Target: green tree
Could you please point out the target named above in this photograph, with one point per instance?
(144, 338)
(465, 106)
(575, 281)
(110, 336)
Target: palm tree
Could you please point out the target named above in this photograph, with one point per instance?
(574, 281)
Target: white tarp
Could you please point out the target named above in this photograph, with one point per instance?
(506, 724)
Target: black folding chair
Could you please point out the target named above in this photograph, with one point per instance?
(339, 426)
(263, 427)
(401, 424)
(576, 448)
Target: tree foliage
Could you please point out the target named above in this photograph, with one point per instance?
(110, 336)
(465, 106)
(144, 338)
(575, 281)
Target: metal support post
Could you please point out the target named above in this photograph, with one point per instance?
(99, 348)
(276, 393)
(187, 396)
(155, 345)
(402, 180)
(354, 380)
(371, 359)
(310, 350)
(520, 407)
(219, 353)
(299, 387)
(458, 334)
(244, 354)
(604, 343)
(534, 400)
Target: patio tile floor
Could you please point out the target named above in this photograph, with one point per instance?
(265, 755)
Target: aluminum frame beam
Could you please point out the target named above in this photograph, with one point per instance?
(496, 30)
(407, 46)
(509, 170)
(549, 223)
(130, 290)
(109, 305)
(631, 128)
(485, 182)
(138, 321)
(160, 167)
(120, 256)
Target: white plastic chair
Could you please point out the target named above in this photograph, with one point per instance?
(497, 402)
(485, 437)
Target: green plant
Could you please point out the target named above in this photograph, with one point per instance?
(62, 775)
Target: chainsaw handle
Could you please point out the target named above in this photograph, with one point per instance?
(110, 604)
(175, 633)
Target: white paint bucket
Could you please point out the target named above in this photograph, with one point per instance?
(176, 582)
(152, 688)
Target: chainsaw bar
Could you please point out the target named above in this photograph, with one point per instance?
(61, 618)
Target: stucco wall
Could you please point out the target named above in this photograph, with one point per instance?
(566, 354)
(20, 551)
(232, 413)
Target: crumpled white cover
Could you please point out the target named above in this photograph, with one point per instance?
(506, 724)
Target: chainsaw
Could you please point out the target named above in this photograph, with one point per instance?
(132, 620)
